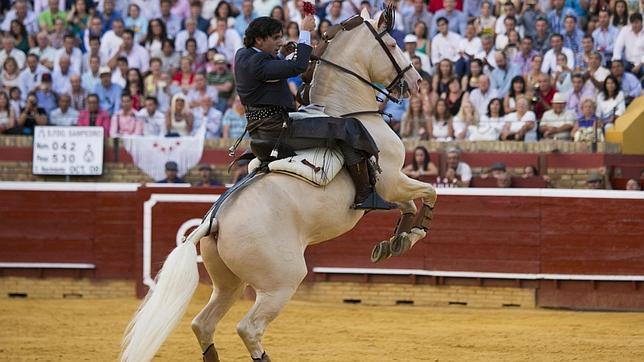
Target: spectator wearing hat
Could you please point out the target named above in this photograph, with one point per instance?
(458, 172)
(222, 79)
(205, 177)
(410, 50)
(64, 115)
(108, 93)
(499, 173)
(557, 122)
(94, 115)
(456, 19)
(598, 180)
(171, 176)
(445, 45)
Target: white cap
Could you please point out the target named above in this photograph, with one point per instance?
(559, 98)
(104, 69)
(411, 38)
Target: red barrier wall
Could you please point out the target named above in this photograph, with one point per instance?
(592, 234)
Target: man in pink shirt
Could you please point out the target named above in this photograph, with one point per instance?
(124, 122)
(94, 116)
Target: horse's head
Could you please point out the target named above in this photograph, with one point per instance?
(373, 52)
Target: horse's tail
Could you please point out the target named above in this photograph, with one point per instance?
(165, 304)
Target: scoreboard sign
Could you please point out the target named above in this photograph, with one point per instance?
(68, 150)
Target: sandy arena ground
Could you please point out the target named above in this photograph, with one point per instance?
(90, 330)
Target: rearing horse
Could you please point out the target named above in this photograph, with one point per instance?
(258, 236)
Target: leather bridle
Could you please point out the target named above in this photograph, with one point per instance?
(397, 83)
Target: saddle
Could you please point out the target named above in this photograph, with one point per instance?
(317, 166)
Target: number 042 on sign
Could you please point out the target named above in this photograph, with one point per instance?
(68, 150)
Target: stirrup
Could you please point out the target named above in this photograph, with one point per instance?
(374, 202)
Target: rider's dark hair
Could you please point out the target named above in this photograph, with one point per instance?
(261, 28)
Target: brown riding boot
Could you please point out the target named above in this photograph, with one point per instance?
(366, 197)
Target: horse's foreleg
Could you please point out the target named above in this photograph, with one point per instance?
(227, 289)
(383, 250)
(409, 189)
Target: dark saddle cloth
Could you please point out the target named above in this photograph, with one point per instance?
(321, 131)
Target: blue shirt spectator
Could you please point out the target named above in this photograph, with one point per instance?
(234, 121)
(244, 18)
(501, 77)
(631, 86)
(604, 39)
(472, 8)
(557, 17)
(109, 94)
(572, 40)
(457, 20)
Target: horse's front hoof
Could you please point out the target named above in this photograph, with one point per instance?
(400, 244)
(381, 251)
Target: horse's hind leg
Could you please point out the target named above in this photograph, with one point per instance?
(227, 289)
(274, 290)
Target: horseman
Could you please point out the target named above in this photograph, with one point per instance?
(261, 73)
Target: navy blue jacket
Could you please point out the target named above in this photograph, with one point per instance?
(262, 79)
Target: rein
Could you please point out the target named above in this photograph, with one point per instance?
(348, 25)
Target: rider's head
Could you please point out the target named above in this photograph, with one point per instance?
(265, 34)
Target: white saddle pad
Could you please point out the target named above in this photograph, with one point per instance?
(317, 166)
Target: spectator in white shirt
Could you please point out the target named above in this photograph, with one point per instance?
(137, 56)
(205, 115)
(150, 9)
(68, 50)
(111, 40)
(9, 50)
(191, 31)
(482, 96)
(459, 173)
(410, 50)
(631, 41)
(557, 122)
(64, 115)
(30, 76)
(487, 54)
(226, 40)
(62, 74)
(445, 44)
(550, 59)
(153, 120)
(520, 125)
(45, 53)
(21, 13)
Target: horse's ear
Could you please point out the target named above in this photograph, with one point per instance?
(386, 19)
(365, 14)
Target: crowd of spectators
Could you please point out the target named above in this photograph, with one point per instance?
(519, 70)
(515, 70)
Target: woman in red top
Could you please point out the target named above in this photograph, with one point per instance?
(134, 84)
(184, 78)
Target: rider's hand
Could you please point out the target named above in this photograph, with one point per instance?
(308, 23)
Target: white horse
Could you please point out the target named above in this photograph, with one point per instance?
(259, 235)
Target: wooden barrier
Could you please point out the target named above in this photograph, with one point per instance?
(126, 232)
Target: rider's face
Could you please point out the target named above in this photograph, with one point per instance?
(270, 44)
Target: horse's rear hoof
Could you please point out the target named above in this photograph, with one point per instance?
(381, 251)
(263, 358)
(400, 244)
